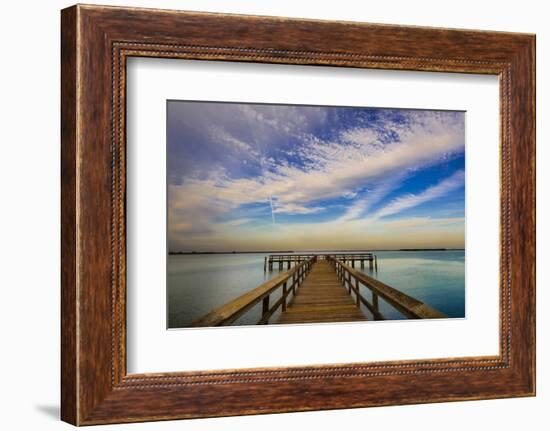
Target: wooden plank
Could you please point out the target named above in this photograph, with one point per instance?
(321, 299)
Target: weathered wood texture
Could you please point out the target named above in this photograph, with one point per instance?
(96, 41)
(321, 298)
(69, 394)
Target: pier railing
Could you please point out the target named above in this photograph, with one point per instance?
(281, 259)
(405, 304)
(288, 282)
(288, 259)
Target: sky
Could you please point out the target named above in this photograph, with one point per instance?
(245, 177)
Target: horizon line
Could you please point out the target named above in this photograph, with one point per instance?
(318, 250)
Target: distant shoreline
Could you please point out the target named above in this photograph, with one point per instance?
(307, 251)
(233, 252)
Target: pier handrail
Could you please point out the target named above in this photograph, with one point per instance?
(307, 256)
(231, 311)
(405, 304)
(284, 258)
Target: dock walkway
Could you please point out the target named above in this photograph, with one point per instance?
(321, 298)
(319, 289)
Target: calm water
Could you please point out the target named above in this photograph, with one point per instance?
(199, 283)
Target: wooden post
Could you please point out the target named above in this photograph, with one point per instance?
(371, 263)
(265, 307)
(284, 296)
(376, 263)
(265, 263)
(353, 263)
(357, 293)
(375, 301)
(288, 264)
(294, 284)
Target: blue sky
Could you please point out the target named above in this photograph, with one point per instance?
(290, 177)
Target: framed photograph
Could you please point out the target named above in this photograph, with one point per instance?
(264, 215)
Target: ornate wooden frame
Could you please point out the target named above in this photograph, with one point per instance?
(96, 41)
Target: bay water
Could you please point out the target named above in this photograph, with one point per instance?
(198, 283)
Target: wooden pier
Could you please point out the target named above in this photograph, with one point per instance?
(320, 288)
(282, 260)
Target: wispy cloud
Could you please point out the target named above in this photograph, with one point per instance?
(372, 197)
(293, 208)
(411, 200)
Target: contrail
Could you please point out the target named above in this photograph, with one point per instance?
(272, 212)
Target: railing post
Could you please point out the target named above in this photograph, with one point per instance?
(375, 302)
(294, 284)
(284, 296)
(265, 307)
(357, 292)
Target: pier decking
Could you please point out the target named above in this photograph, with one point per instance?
(321, 298)
(320, 288)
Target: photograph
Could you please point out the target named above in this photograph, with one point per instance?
(300, 214)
